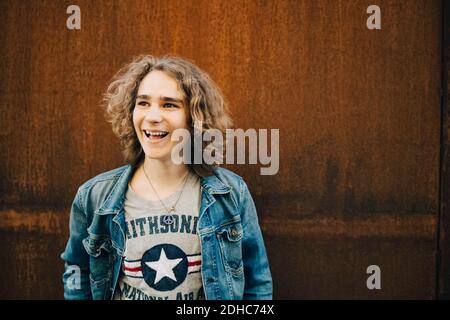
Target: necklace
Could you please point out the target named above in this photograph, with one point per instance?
(168, 217)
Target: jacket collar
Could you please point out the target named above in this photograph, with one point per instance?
(115, 200)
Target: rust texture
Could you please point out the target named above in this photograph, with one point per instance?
(358, 112)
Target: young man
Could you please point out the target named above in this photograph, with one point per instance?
(156, 229)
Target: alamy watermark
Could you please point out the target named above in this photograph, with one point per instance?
(73, 22)
(374, 280)
(232, 143)
(74, 279)
(374, 20)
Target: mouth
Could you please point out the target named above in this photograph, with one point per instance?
(155, 135)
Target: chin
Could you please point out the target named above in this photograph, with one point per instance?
(157, 155)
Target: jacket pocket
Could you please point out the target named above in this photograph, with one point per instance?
(230, 241)
(101, 258)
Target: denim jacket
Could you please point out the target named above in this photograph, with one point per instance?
(234, 260)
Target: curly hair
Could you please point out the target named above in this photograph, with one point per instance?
(201, 96)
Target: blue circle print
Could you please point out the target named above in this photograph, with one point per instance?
(164, 267)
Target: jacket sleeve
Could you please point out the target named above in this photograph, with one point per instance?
(76, 260)
(258, 279)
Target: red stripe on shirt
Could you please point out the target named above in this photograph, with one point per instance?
(137, 269)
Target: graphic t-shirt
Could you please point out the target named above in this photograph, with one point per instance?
(162, 261)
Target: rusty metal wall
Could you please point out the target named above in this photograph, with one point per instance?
(358, 112)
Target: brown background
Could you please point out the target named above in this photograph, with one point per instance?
(359, 113)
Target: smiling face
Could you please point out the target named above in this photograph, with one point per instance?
(159, 110)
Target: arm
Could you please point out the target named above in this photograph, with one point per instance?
(76, 267)
(258, 279)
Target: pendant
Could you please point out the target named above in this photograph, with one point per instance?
(168, 219)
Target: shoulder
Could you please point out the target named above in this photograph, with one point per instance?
(228, 177)
(233, 180)
(103, 189)
(239, 191)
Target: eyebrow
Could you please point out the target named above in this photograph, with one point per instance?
(168, 99)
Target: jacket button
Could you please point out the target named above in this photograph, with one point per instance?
(234, 233)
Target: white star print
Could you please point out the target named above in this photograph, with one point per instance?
(164, 267)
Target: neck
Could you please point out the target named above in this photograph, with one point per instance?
(160, 172)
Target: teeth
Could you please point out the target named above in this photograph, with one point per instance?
(160, 133)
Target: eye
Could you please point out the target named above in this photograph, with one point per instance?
(169, 105)
(142, 103)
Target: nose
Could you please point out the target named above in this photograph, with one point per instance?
(153, 114)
